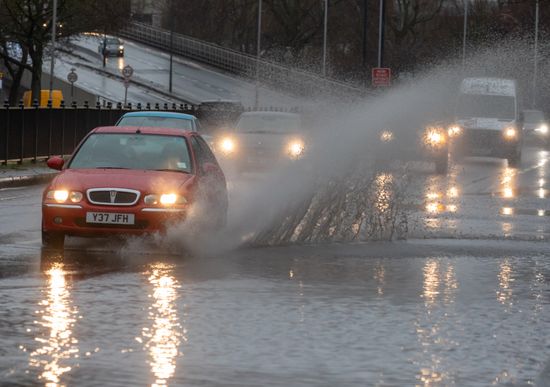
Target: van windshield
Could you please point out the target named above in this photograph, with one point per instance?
(486, 106)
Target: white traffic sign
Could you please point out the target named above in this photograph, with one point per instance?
(72, 76)
(127, 71)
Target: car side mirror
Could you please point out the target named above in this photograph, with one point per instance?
(56, 163)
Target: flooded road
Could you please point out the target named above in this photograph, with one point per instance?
(374, 314)
(467, 311)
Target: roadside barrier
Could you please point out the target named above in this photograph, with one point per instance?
(30, 133)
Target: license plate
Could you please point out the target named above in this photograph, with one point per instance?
(109, 218)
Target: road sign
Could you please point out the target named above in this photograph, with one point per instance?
(72, 76)
(127, 71)
(381, 77)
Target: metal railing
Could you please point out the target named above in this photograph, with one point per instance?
(40, 132)
(298, 82)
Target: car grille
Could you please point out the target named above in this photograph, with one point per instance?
(113, 196)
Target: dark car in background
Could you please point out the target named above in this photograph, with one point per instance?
(111, 46)
(261, 140)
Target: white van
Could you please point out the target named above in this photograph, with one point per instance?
(487, 117)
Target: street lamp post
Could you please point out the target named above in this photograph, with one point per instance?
(381, 22)
(325, 24)
(464, 33)
(54, 22)
(535, 55)
(258, 42)
(171, 44)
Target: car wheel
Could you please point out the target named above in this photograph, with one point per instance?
(514, 161)
(442, 165)
(54, 240)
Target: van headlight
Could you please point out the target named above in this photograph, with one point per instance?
(454, 131)
(510, 133)
(542, 129)
(386, 136)
(295, 148)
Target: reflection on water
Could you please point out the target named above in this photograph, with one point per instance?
(163, 337)
(441, 198)
(507, 182)
(57, 318)
(384, 191)
(504, 292)
(120, 63)
(439, 283)
(431, 281)
(380, 277)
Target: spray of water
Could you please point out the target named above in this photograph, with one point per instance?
(336, 193)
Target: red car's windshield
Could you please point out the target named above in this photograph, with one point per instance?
(133, 151)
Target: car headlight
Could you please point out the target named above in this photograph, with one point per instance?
(227, 145)
(386, 136)
(62, 195)
(510, 133)
(167, 199)
(434, 137)
(121, 47)
(454, 131)
(542, 129)
(296, 148)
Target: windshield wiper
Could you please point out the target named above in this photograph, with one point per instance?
(171, 170)
(111, 168)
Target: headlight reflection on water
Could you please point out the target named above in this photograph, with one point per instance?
(163, 338)
(58, 317)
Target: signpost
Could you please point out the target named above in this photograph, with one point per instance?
(127, 73)
(72, 77)
(381, 77)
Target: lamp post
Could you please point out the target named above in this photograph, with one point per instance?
(535, 55)
(258, 42)
(381, 25)
(54, 23)
(171, 45)
(325, 24)
(464, 34)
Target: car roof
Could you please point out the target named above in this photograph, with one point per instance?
(144, 130)
(181, 116)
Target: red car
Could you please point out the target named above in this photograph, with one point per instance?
(129, 180)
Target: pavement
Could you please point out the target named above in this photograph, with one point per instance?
(25, 174)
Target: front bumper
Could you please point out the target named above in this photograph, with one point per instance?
(485, 143)
(71, 219)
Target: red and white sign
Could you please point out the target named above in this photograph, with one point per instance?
(381, 76)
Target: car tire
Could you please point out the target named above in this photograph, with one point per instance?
(514, 161)
(53, 240)
(442, 165)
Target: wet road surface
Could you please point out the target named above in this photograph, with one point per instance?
(433, 312)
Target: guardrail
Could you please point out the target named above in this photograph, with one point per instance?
(40, 132)
(298, 82)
